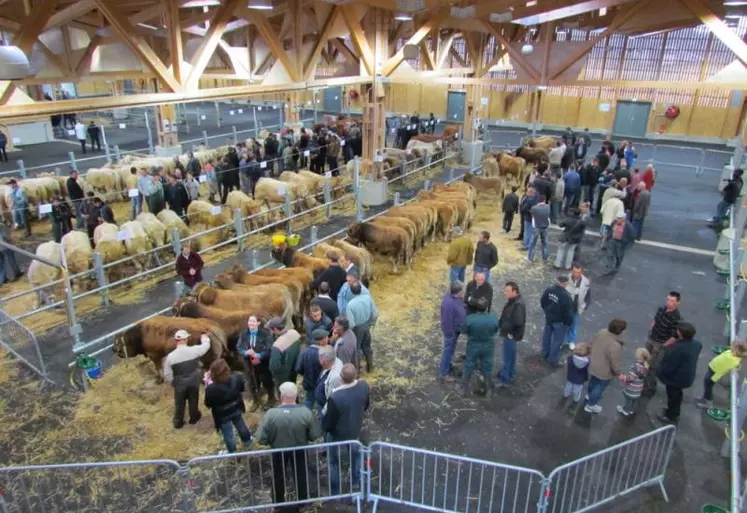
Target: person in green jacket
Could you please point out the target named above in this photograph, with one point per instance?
(480, 328)
(460, 255)
(284, 352)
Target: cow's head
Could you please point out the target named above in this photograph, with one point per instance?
(354, 233)
(129, 343)
(223, 281)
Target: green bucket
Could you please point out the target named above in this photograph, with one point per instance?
(710, 508)
(719, 349)
(718, 415)
(92, 366)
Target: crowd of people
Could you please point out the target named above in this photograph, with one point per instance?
(404, 127)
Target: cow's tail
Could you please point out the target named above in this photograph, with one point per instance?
(289, 311)
(220, 336)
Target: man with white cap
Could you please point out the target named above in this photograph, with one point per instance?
(286, 426)
(622, 234)
(180, 370)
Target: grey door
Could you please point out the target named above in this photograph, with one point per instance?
(332, 99)
(631, 118)
(455, 106)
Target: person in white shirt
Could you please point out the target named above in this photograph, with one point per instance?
(180, 369)
(82, 134)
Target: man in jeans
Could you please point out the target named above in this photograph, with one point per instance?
(540, 223)
(557, 304)
(459, 255)
(486, 255)
(527, 202)
(605, 362)
(346, 409)
(511, 324)
(663, 331)
(730, 195)
(453, 314)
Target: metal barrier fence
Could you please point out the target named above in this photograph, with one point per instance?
(443, 482)
(338, 471)
(602, 477)
(21, 343)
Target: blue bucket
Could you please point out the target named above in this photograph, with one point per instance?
(95, 371)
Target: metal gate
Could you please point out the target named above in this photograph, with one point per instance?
(19, 341)
(631, 118)
(455, 103)
(332, 98)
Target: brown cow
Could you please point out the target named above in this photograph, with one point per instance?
(225, 281)
(295, 286)
(464, 208)
(543, 142)
(510, 166)
(154, 338)
(265, 302)
(447, 214)
(424, 216)
(413, 232)
(533, 155)
(385, 240)
(359, 256)
(485, 184)
(233, 322)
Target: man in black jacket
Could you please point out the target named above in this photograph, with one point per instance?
(589, 178)
(77, 196)
(510, 207)
(334, 275)
(730, 194)
(574, 228)
(176, 196)
(557, 304)
(271, 152)
(486, 255)
(346, 408)
(94, 133)
(677, 370)
(476, 289)
(512, 322)
(603, 157)
(325, 302)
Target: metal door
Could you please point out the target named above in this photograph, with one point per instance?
(332, 98)
(455, 106)
(631, 118)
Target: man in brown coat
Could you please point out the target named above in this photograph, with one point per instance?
(606, 362)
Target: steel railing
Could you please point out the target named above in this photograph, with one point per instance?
(339, 471)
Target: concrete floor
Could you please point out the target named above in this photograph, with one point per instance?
(526, 424)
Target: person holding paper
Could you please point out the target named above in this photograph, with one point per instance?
(60, 219)
(75, 191)
(189, 266)
(177, 196)
(19, 206)
(82, 135)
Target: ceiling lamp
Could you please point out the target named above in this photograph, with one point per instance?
(403, 16)
(260, 5)
(527, 49)
(735, 3)
(14, 64)
(602, 11)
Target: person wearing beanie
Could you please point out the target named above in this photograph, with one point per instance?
(289, 425)
(459, 255)
(308, 365)
(480, 327)
(284, 352)
(180, 371)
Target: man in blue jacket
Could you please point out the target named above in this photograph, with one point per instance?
(453, 314)
(572, 189)
(677, 370)
(557, 304)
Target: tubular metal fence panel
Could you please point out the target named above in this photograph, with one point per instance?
(22, 343)
(599, 478)
(445, 482)
(113, 487)
(277, 478)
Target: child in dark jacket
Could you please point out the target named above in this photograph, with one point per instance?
(578, 372)
(633, 382)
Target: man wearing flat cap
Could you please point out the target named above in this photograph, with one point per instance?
(180, 369)
(308, 365)
(284, 352)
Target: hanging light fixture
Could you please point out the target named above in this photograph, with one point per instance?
(403, 16)
(260, 5)
(14, 64)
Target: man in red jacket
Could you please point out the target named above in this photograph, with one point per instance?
(189, 266)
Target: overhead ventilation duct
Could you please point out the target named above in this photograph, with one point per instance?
(14, 64)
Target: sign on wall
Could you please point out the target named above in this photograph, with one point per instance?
(605, 107)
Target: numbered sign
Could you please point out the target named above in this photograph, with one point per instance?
(203, 116)
(45, 208)
(274, 107)
(202, 179)
(438, 121)
(123, 236)
(16, 140)
(133, 193)
(259, 108)
(306, 153)
(379, 158)
(328, 174)
(231, 113)
(71, 133)
(122, 126)
(342, 143)
(394, 131)
(484, 100)
(216, 210)
(263, 164)
(282, 191)
(241, 111)
(433, 122)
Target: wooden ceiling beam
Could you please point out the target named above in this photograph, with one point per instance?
(341, 47)
(481, 72)
(296, 13)
(358, 38)
(65, 29)
(271, 39)
(70, 13)
(460, 60)
(33, 25)
(430, 62)
(9, 25)
(84, 64)
(433, 22)
(54, 59)
(725, 34)
(471, 44)
(549, 29)
(137, 44)
(516, 58)
(620, 19)
(329, 24)
(174, 27)
(209, 43)
(443, 50)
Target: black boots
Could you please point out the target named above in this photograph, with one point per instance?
(369, 363)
